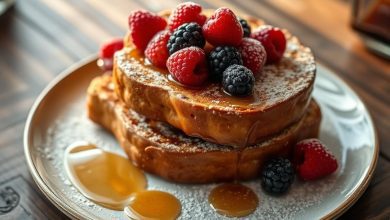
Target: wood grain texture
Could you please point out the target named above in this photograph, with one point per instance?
(40, 38)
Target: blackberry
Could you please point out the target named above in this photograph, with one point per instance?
(186, 35)
(221, 58)
(245, 27)
(238, 80)
(277, 176)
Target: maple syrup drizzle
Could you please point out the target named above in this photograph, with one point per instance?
(153, 204)
(233, 200)
(103, 177)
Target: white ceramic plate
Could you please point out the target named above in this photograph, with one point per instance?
(58, 118)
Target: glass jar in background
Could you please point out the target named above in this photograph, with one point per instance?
(372, 19)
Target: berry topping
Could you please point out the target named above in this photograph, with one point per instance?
(245, 27)
(253, 54)
(108, 48)
(221, 58)
(238, 80)
(157, 51)
(187, 35)
(277, 176)
(143, 26)
(313, 160)
(188, 66)
(201, 19)
(107, 51)
(273, 41)
(223, 28)
(185, 13)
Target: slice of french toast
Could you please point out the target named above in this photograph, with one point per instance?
(281, 95)
(159, 148)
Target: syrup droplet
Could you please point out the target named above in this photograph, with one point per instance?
(103, 177)
(233, 200)
(153, 204)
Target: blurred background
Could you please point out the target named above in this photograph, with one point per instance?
(41, 38)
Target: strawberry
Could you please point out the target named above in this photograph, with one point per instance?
(273, 40)
(253, 54)
(157, 51)
(313, 160)
(188, 66)
(185, 13)
(143, 26)
(223, 28)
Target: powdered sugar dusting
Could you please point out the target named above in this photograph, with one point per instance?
(167, 137)
(74, 126)
(316, 145)
(278, 82)
(253, 55)
(134, 68)
(171, 139)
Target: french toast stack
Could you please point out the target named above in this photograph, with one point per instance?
(203, 135)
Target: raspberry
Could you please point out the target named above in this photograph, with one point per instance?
(245, 27)
(185, 13)
(107, 51)
(157, 51)
(238, 80)
(273, 40)
(223, 28)
(253, 54)
(187, 35)
(277, 176)
(201, 19)
(221, 58)
(108, 48)
(313, 160)
(143, 26)
(188, 66)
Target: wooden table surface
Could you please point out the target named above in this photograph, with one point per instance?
(41, 38)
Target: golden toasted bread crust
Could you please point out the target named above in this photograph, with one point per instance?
(158, 148)
(281, 95)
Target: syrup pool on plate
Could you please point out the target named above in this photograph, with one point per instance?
(153, 204)
(104, 177)
(233, 200)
